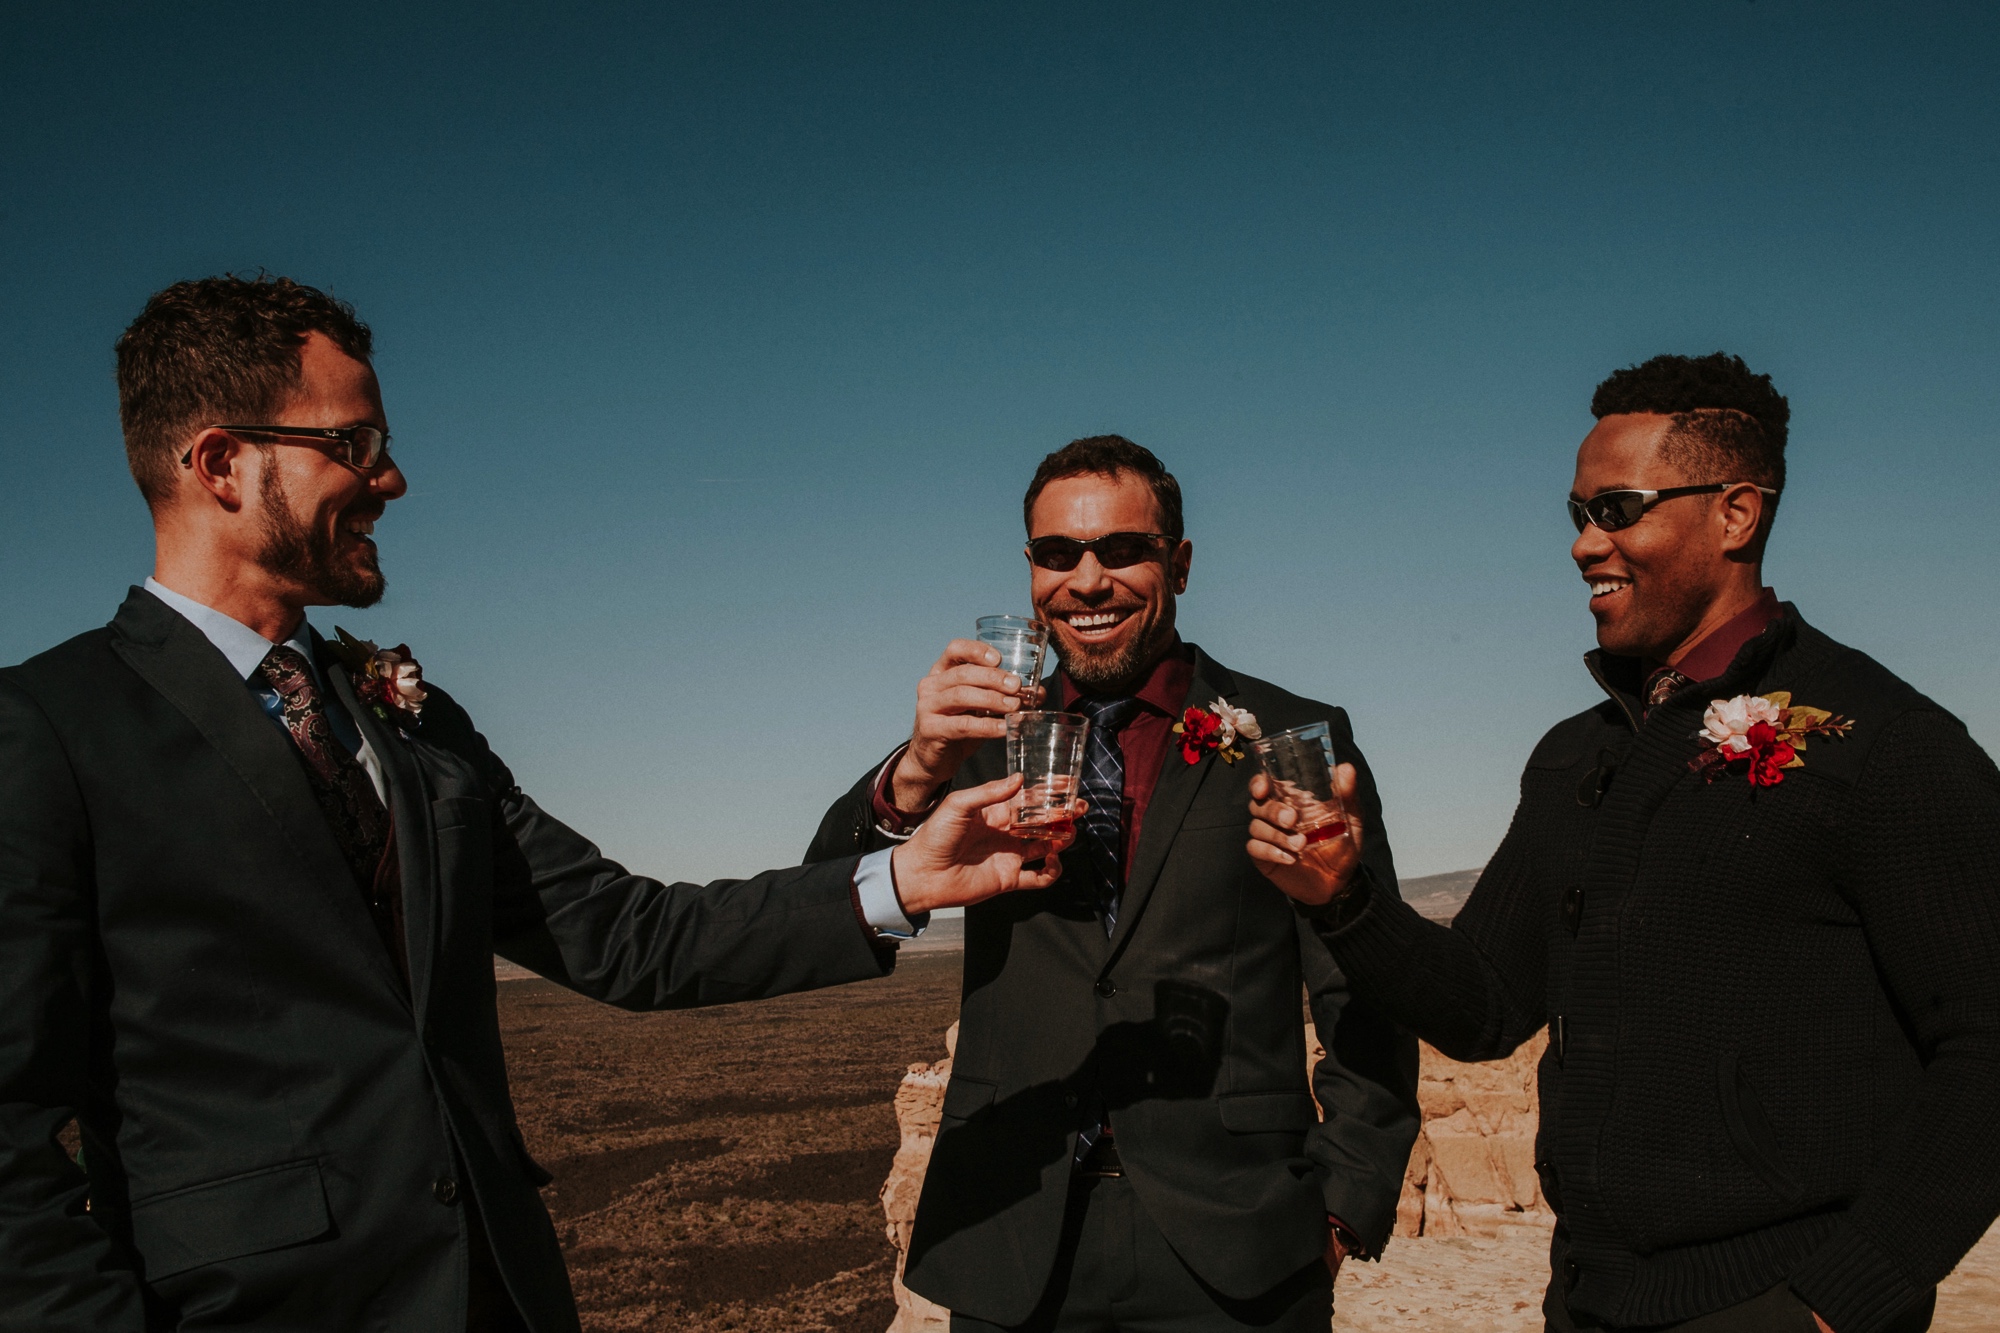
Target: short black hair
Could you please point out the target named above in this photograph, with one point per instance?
(1107, 456)
(216, 350)
(1730, 424)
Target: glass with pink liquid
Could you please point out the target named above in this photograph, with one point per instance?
(1299, 763)
(1046, 749)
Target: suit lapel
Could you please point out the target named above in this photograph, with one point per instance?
(410, 808)
(1179, 783)
(177, 660)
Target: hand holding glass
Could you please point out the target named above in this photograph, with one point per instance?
(1046, 749)
(1299, 763)
(1022, 644)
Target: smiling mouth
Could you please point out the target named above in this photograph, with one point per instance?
(1604, 587)
(1096, 624)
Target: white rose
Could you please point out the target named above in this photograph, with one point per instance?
(1728, 721)
(1236, 722)
(404, 678)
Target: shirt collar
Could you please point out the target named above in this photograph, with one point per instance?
(1712, 656)
(1165, 687)
(245, 648)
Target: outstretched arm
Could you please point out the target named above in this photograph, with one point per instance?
(1475, 990)
(58, 1270)
(563, 909)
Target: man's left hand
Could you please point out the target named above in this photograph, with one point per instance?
(1312, 873)
(1336, 1253)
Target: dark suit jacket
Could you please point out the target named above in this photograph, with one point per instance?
(188, 968)
(1186, 1025)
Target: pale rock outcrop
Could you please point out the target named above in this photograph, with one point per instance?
(1471, 1173)
(919, 1103)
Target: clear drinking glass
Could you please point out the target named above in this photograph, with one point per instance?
(1299, 763)
(1022, 644)
(1046, 749)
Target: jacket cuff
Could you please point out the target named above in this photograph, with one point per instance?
(898, 825)
(1853, 1284)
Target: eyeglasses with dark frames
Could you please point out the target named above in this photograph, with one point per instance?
(1610, 511)
(360, 447)
(1114, 550)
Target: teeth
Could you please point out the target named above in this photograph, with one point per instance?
(1598, 587)
(1102, 620)
(363, 526)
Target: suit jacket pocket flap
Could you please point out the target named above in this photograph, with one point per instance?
(1267, 1112)
(257, 1211)
(459, 812)
(963, 1097)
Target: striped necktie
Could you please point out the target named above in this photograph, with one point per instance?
(1103, 834)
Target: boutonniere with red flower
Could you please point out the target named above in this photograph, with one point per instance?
(1214, 730)
(388, 680)
(1760, 736)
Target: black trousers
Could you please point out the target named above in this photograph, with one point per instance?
(1115, 1273)
(1776, 1311)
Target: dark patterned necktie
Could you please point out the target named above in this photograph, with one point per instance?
(1662, 685)
(1102, 837)
(360, 823)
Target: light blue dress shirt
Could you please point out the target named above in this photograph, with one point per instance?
(246, 649)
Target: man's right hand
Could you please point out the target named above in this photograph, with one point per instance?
(961, 705)
(965, 853)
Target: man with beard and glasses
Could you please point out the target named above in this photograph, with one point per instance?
(252, 883)
(1752, 895)
(1129, 1138)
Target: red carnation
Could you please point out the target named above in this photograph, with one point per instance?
(1201, 731)
(1768, 755)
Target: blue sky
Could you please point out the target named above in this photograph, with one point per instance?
(719, 342)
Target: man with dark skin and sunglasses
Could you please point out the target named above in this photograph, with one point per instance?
(1754, 894)
(252, 884)
(1129, 1141)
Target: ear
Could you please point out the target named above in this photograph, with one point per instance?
(1179, 564)
(1741, 512)
(219, 465)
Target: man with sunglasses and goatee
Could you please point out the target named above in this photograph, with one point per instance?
(1129, 1139)
(252, 883)
(1754, 895)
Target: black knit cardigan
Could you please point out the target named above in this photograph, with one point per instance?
(1774, 1012)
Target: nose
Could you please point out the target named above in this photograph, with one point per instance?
(1088, 578)
(388, 480)
(1591, 545)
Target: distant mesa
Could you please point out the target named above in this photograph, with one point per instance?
(1439, 897)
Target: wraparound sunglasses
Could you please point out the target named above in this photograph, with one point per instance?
(1611, 510)
(1114, 550)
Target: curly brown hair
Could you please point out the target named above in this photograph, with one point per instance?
(215, 350)
(1107, 456)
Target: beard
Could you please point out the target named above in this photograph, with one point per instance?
(295, 549)
(1113, 669)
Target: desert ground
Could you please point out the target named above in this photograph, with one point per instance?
(718, 1169)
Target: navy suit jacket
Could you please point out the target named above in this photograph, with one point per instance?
(188, 969)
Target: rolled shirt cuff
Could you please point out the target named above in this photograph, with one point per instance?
(875, 884)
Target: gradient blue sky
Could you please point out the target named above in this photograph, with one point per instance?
(719, 342)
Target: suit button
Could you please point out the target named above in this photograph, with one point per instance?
(1105, 989)
(1069, 1100)
(1572, 907)
(444, 1189)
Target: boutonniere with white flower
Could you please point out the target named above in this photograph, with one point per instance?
(1215, 730)
(1763, 733)
(388, 680)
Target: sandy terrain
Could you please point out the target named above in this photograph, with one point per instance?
(718, 1169)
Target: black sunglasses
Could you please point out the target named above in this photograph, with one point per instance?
(360, 447)
(1611, 510)
(1114, 550)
